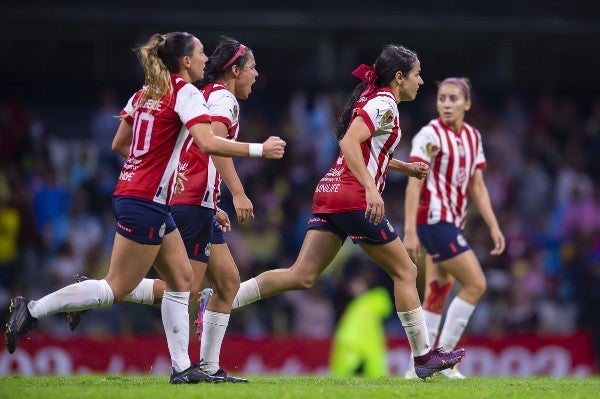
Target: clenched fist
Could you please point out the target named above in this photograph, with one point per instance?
(273, 148)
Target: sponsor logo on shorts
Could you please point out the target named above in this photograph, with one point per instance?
(390, 228)
(357, 237)
(125, 228)
(161, 232)
(207, 249)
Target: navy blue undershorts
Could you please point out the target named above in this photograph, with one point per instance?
(142, 220)
(353, 224)
(442, 240)
(199, 229)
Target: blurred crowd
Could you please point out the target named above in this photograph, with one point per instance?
(543, 175)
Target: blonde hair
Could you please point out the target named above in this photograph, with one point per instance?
(160, 56)
(157, 78)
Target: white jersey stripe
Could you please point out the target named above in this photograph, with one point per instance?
(168, 179)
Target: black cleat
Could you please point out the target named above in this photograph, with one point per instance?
(75, 317)
(191, 375)
(19, 323)
(222, 376)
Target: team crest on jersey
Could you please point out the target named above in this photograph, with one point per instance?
(431, 149)
(460, 239)
(386, 119)
(207, 249)
(161, 232)
(235, 111)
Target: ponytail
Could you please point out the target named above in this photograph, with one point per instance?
(393, 58)
(160, 57)
(157, 78)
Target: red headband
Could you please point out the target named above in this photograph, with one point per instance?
(460, 84)
(235, 57)
(366, 73)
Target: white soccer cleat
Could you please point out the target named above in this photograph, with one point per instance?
(451, 373)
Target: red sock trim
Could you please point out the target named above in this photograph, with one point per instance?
(437, 297)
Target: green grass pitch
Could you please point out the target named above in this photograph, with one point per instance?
(269, 387)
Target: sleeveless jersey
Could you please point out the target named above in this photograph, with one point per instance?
(339, 190)
(159, 131)
(203, 184)
(453, 158)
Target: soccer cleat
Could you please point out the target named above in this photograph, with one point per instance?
(222, 376)
(437, 360)
(203, 300)
(191, 375)
(452, 374)
(19, 323)
(75, 317)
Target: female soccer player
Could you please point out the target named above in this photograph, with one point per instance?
(436, 212)
(348, 203)
(155, 120)
(229, 74)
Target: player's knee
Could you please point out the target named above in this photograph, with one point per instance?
(183, 282)
(476, 288)
(481, 287)
(405, 273)
(227, 288)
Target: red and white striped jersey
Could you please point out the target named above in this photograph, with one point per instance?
(159, 131)
(203, 184)
(338, 190)
(453, 158)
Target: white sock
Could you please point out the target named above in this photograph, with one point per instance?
(174, 312)
(79, 296)
(413, 322)
(432, 320)
(143, 293)
(248, 293)
(456, 321)
(213, 331)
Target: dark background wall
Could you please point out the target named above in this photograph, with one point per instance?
(525, 46)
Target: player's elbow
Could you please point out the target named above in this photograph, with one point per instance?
(209, 146)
